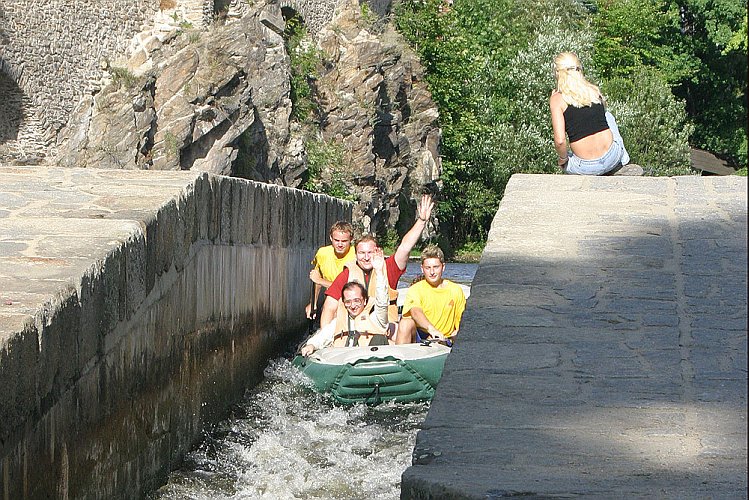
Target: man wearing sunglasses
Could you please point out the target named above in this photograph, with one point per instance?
(355, 323)
(361, 269)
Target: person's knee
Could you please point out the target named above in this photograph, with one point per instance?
(407, 324)
(406, 330)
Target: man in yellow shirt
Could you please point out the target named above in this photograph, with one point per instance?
(329, 261)
(433, 306)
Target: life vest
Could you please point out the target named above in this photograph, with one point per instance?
(355, 331)
(355, 273)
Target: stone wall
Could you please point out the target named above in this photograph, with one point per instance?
(118, 370)
(55, 53)
(53, 50)
(316, 13)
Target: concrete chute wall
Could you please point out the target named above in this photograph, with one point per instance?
(160, 311)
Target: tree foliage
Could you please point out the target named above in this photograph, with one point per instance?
(489, 69)
(698, 47)
(653, 123)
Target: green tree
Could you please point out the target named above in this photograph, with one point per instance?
(652, 121)
(488, 66)
(467, 53)
(698, 47)
(636, 33)
(717, 97)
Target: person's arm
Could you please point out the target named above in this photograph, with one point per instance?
(314, 276)
(323, 338)
(382, 299)
(556, 105)
(417, 314)
(308, 307)
(460, 306)
(318, 278)
(320, 282)
(423, 212)
(333, 294)
(329, 310)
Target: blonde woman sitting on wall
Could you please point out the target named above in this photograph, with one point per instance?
(578, 115)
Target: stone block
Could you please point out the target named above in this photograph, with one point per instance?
(93, 320)
(137, 273)
(237, 218)
(225, 214)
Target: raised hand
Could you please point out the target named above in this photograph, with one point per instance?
(378, 260)
(424, 210)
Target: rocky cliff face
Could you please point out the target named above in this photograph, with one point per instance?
(199, 99)
(184, 98)
(374, 101)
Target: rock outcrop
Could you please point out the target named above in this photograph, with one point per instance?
(218, 100)
(184, 98)
(374, 101)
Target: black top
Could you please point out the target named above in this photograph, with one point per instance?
(585, 121)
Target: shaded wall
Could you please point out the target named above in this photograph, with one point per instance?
(113, 379)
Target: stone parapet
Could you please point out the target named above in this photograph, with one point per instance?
(134, 308)
(603, 350)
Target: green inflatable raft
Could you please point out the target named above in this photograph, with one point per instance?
(375, 374)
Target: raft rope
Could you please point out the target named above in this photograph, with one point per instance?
(376, 393)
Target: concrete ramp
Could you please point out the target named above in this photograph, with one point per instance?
(603, 352)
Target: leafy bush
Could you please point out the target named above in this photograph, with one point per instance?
(530, 80)
(305, 61)
(653, 123)
(492, 126)
(326, 170)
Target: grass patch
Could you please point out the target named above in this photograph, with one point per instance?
(123, 77)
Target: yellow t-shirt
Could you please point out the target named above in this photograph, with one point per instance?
(442, 306)
(329, 265)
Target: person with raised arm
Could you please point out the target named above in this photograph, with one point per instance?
(361, 269)
(359, 321)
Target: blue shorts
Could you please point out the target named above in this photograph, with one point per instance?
(615, 156)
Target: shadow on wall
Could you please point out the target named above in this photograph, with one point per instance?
(12, 114)
(253, 157)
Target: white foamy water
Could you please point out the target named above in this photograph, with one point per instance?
(286, 441)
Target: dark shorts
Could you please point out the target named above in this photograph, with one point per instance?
(422, 336)
(379, 340)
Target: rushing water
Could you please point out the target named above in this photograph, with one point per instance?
(286, 441)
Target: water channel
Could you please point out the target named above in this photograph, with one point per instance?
(285, 441)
